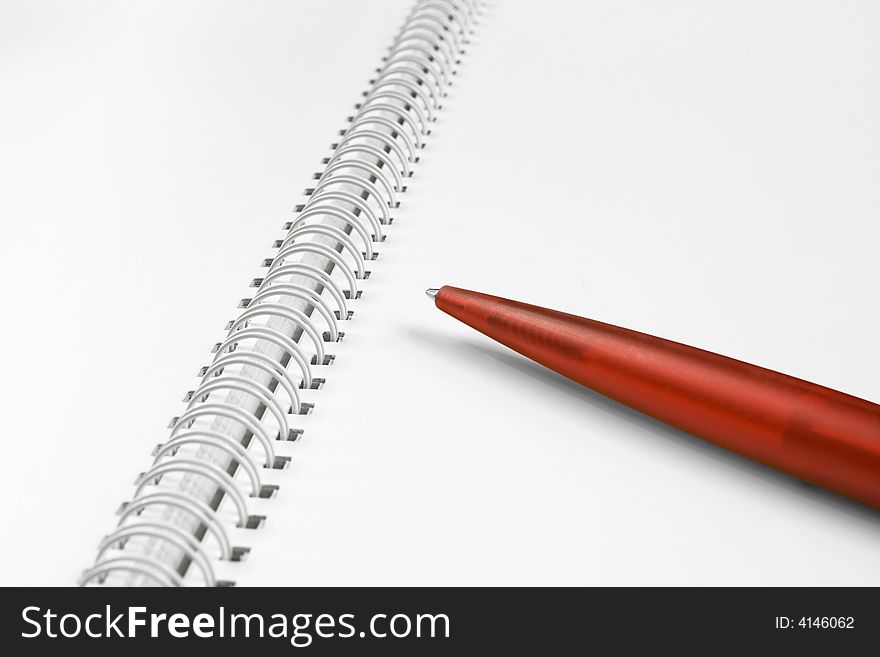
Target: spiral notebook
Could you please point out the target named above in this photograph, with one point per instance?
(343, 432)
(211, 483)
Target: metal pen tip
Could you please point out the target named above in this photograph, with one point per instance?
(432, 292)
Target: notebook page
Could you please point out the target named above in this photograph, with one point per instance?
(699, 171)
(151, 153)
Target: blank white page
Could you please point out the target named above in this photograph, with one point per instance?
(705, 172)
(151, 152)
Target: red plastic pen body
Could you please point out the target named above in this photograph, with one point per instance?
(819, 435)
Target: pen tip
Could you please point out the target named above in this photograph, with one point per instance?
(432, 292)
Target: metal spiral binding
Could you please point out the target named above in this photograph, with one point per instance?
(203, 477)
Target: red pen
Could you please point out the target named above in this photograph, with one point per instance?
(819, 435)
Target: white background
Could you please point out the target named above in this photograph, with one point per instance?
(705, 171)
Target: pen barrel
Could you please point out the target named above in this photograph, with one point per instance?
(820, 435)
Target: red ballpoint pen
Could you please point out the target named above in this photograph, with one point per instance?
(819, 435)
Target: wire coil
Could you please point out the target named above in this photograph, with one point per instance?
(174, 529)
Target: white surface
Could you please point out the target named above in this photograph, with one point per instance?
(703, 171)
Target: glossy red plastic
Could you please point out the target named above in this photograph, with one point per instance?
(816, 434)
